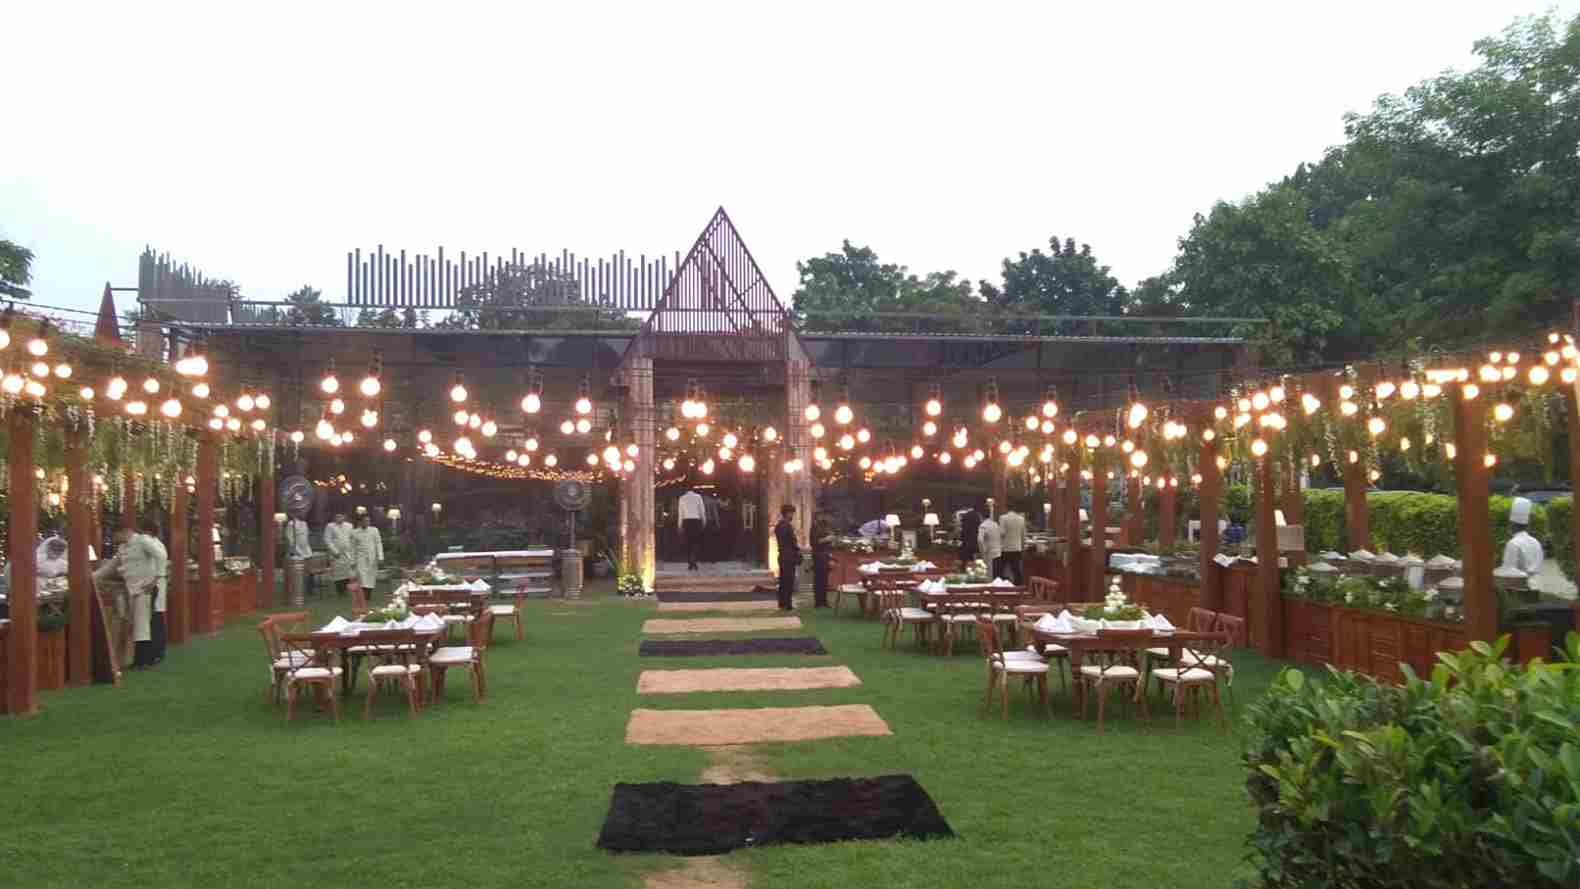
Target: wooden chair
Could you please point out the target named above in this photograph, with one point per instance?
(955, 617)
(280, 664)
(1198, 670)
(1235, 627)
(855, 591)
(315, 652)
(1043, 589)
(1001, 665)
(512, 610)
(1197, 620)
(469, 657)
(395, 659)
(1115, 668)
(895, 616)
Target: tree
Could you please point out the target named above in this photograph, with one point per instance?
(847, 289)
(303, 306)
(16, 270)
(497, 303)
(407, 318)
(1067, 280)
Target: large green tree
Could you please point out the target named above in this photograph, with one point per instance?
(1065, 280)
(16, 270)
(851, 290)
(554, 299)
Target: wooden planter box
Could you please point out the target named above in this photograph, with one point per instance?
(52, 659)
(1373, 642)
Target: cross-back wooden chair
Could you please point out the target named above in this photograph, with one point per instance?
(1198, 670)
(395, 658)
(1197, 620)
(1002, 664)
(895, 615)
(1114, 668)
(1043, 589)
(316, 654)
(467, 657)
(958, 617)
(270, 629)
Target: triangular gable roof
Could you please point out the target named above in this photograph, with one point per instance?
(107, 330)
(718, 306)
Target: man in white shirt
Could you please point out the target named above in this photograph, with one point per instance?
(337, 539)
(140, 562)
(691, 512)
(298, 543)
(1012, 526)
(990, 545)
(1522, 551)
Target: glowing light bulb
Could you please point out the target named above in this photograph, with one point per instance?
(820, 453)
(1138, 415)
(1354, 456)
(584, 405)
(631, 450)
(1376, 426)
(843, 415)
(567, 427)
(1259, 401)
(730, 440)
(551, 461)
(244, 402)
(863, 436)
(86, 393)
(532, 444)
(297, 437)
(151, 386)
(747, 463)
(1537, 375)
(1348, 408)
(817, 430)
(726, 454)
(63, 371)
(1003, 447)
(458, 393)
(812, 412)
(707, 466)
(1258, 447)
(371, 387)
(1220, 412)
(770, 434)
(672, 434)
(171, 408)
(531, 403)
(1346, 391)
(934, 407)
(1208, 435)
(1047, 427)
(703, 429)
(611, 455)
(136, 408)
(389, 444)
(592, 460)
(1490, 460)
(1431, 390)
(991, 412)
(865, 462)
(1138, 459)
(370, 418)
(489, 428)
(944, 458)
(1315, 461)
(1470, 391)
(669, 463)
(583, 426)
(1502, 411)
(262, 401)
(929, 428)
(1309, 403)
(329, 384)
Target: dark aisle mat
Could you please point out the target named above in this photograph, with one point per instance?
(710, 596)
(709, 819)
(719, 647)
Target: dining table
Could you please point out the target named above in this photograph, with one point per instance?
(1080, 644)
(426, 634)
(977, 598)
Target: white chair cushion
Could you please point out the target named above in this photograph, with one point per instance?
(959, 618)
(1197, 659)
(289, 660)
(1117, 672)
(457, 618)
(1049, 649)
(315, 673)
(393, 670)
(1177, 674)
(1158, 652)
(502, 610)
(455, 654)
(1001, 617)
(909, 613)
(852, 588)
(1013, 655)
(1021, 667)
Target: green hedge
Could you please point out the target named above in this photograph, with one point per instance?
(1560, 539)
(1469, 778)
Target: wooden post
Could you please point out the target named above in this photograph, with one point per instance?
(1294, 500)
(129, 500)
(1207, 495)
(266, 532)
(1098, 568)
(178, 596)
(1574, 451)
(207, 478)
(644, 532)
(1167, 507)
(22, 641)
(1269, 612)
(798, 445)
(1134, 528)
(79, 574)
(1072, 524)
(1472, 479)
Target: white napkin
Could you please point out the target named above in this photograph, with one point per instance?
(428, 622)
(1159, 622)
(923, 565)
(1066, 616)
(1000, 582)
(404, 587)
(931, 586)
(1050, 624)
(337, 625)
(478, 586)
(868, 568)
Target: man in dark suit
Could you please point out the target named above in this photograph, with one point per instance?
(789, 555)
(970, 524)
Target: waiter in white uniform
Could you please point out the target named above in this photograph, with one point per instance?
(1523, 551)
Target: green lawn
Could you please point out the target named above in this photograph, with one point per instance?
(186, 777)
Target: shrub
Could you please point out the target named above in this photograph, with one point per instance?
(1468, 778)
(1561, 533)
(1324, 520)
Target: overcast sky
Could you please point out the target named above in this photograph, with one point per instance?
(261, 142)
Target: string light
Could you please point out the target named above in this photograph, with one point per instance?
(813, 412)
(458, 389)
(817, 430)
(1537, 375)
(85, 393)
(297, 437)
(171, 408)
(843, 414)
(1376, 426)
(863, 436)
(1258, 447)
(1502, 411)
(935, 401)
(1490, 460)
(337, 407)
(532, 402)
(929, 428)
(747, 463)
(330, 384)
(1050, 402)
(991, 412)
(567, 427)
(1031, 423)
(770, 434)
(672, 433)
(38, 346)
(583, 426)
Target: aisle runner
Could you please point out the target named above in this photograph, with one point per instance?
(659, 626)
(703, 728)
(719, 647)
(770, 605)
(668, 682)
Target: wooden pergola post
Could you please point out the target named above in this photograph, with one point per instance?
(22, 644)
(266, 531)
(1098, 568)
(1208, 493)
(1000, 482)
(1134, 528)
(1294, 504)
(1269, 612)
(207, 479)
(1072, 523)
(79, 573)
(178, 596)
(1168, 504)
(1472, 480)
(129, 500)
(798, 445)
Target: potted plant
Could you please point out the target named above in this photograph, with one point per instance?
(631, 586)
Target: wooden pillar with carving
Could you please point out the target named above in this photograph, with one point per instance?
(22, 533)
(1208, 493)
(1472, 478)
(207, 482)
(1269, 612)
(178, 593)
(79, 573)
(1097, 568)
(265, 597)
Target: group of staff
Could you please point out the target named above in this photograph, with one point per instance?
(354, 552)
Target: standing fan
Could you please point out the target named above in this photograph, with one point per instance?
(572, 495)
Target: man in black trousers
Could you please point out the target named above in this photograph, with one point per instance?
(789, 555)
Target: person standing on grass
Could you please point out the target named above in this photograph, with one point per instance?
(990, 543)
(691, 512)
(789, 555)
(367, 551)
(140, 563)
(822, 558)
(970, 524)
(337, 539)
(1012, 526)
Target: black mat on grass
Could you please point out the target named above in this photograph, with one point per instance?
(709, 596)
(717, 647)
(709, 819)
